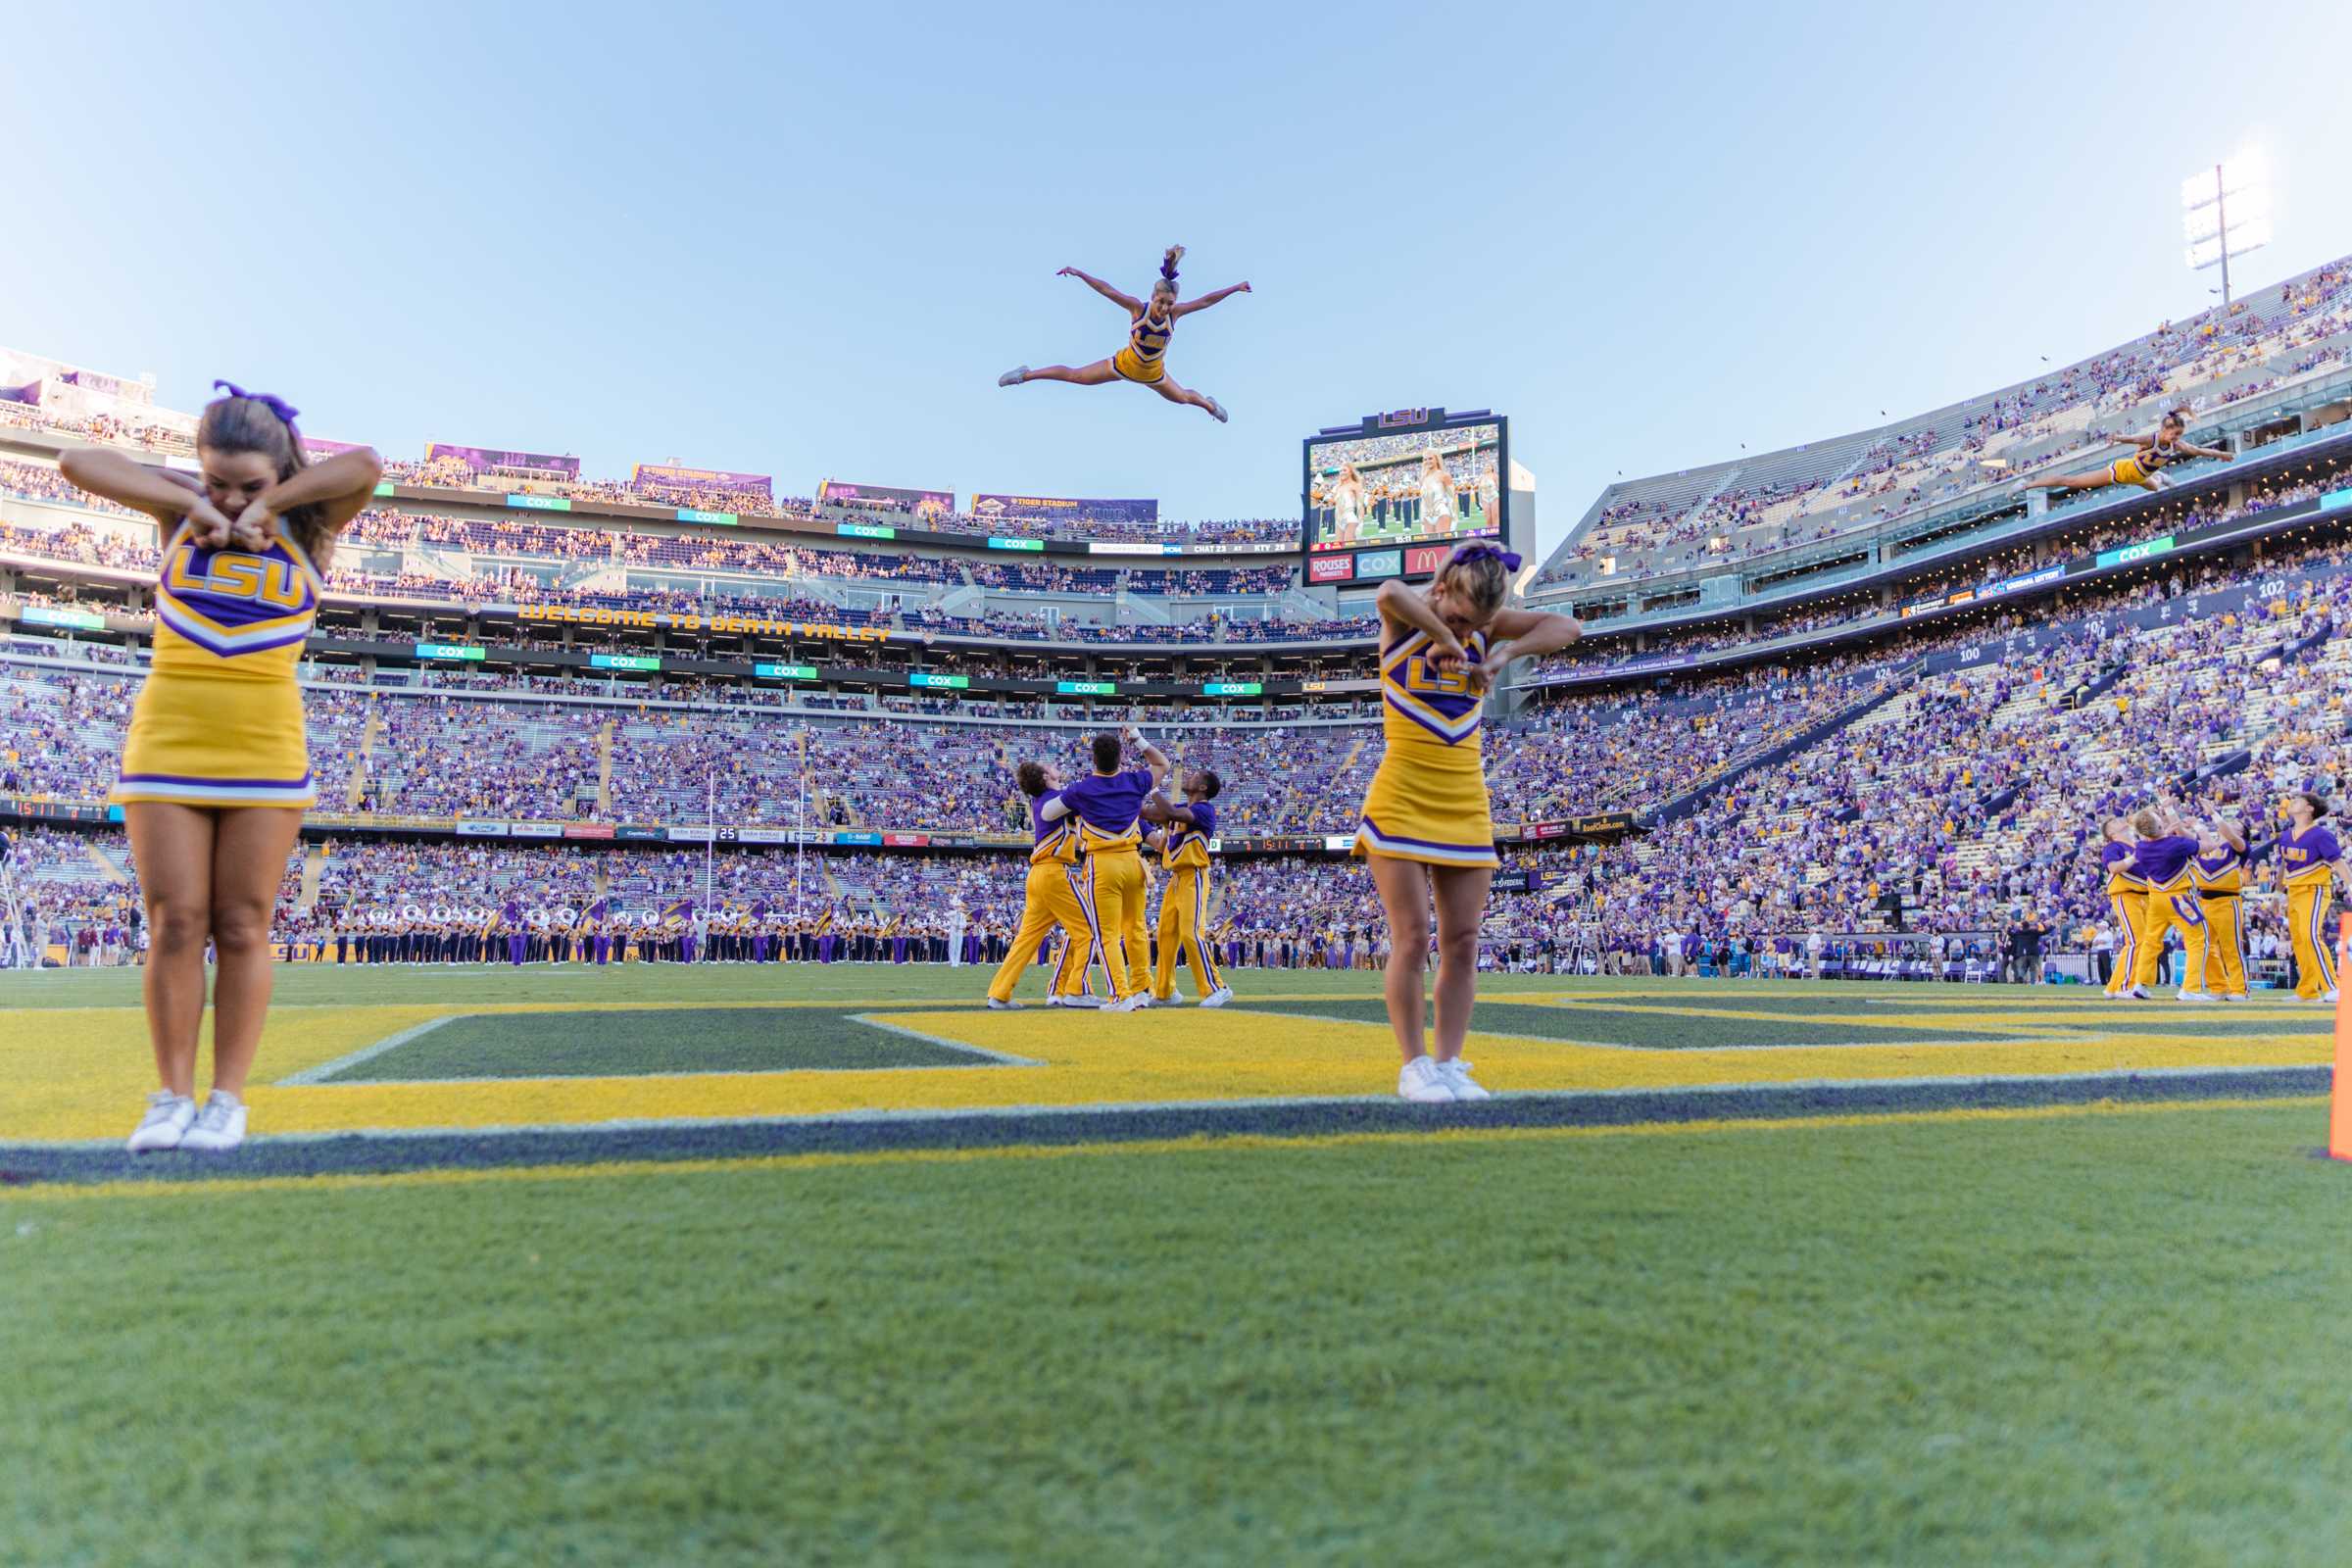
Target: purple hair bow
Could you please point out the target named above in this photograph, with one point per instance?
(1510, 559)
(278, 404)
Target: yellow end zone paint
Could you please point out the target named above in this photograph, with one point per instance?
(81, 1073)
(1451, 1137)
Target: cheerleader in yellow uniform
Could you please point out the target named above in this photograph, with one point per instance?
(2307, 858)
(2220, 875)
(1053, 900)
(1150, 325)
(1184, 928)
(1426, 825)
(216, 769)
(2127, 899)
(2150, 456)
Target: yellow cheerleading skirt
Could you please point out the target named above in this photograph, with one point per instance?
(1429, 804)
(235, 741)
(2126, 470)
(1135, 368)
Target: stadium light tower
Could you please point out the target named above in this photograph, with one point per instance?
(2226, 212)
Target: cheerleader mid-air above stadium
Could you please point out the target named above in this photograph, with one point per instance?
(1149, 325)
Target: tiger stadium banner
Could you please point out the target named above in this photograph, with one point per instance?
(480, 458)
(1137, 510)
(661, 475)
(886, 496)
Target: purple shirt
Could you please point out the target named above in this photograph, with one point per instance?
(2112, 851)
(1037, 825)
(2307, 851)
(1109, 803)
(1205, 823)
(2161, 860)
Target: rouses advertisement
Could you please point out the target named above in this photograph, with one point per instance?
(663, 477)
(481, 458)
(1141, 510)
(886, 498)
(1331, 568)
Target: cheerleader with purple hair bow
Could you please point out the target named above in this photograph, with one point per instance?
(1150, 325)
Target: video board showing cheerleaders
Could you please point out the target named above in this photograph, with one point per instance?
(1439, 482)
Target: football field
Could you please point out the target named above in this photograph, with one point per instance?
(741, 1265)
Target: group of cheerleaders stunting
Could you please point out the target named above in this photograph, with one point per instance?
(2169, 872)
(1149, 325)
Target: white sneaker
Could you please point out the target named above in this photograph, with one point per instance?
(994, 1005)
(1217, 997)
(1456, 1074)
(2329, 996)
(1074, 1002)
(1216, 407)
(165, 1124)
(1423, 1084)
(2140, 993)
(1015, 376)
(2186, 995)
(2236, 995)
(220, 1125)
(1133, 1003)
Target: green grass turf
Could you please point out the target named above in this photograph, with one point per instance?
(1599, 1025)
(2081, 1339)
(592, 1043)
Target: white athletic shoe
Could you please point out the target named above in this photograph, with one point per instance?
(994, 1005)
(1015, 376)
(2329, 996)
(2186, 995)
(165, 1124)
(1423, 1084)
(220, 1125)
(2140, 993)
(1217, 997)
(1074, 1002)
(1216, 407)
(1133, 1003)
(2236, 995)
(1456, 1074)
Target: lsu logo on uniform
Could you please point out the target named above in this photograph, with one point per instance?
(1421, 675)
(236, 575)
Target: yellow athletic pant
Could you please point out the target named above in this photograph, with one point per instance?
(2131, 915)
(1113, 893)
(1183, 918)
(2173, 910)
(2315, 944)
(2224, 943)
(1053, 901)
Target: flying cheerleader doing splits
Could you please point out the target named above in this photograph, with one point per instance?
(1150, 325)
(2150, 456)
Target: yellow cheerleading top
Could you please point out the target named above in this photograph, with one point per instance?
(218, 721)
(1146, 347)
(1427, 800)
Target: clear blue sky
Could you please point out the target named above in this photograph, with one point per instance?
(804, 241)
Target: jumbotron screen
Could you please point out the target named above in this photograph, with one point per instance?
(1439, 482)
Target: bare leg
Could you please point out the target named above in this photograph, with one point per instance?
(1404, 894)
(1168, 387)
(171, 848)
(1094, 374)
(1461, 905)
(249, 860)
(2075, 481)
